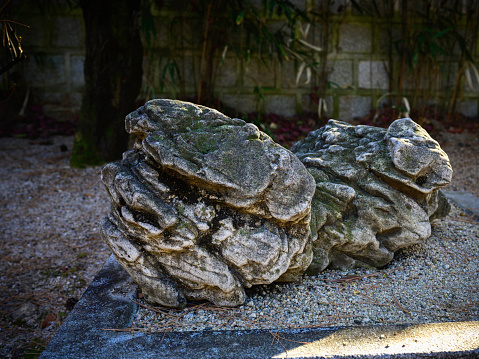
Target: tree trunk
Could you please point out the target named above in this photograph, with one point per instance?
(113, 74)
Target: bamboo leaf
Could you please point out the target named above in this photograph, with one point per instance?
(223, 55)
(308, 75)
(476, 72)
(333, 83)
(321, 107)
(281, 49)
(313, 47)
(408, 107)
(300, 72)
(467, 73)
(239, 18)
(443, 32)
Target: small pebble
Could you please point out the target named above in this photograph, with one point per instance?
(407, 291)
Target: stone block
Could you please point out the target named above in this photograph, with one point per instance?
(351, 107)
(356, 38)
(385, 41)
(373, 75)
(160, 37)
(259, 74)
(226, 76)
(342, 73)
(59, 104)
(67, 32)
(76, 71)
(242, 103)
(378, 169)
(204, 205)
(189, 70)
(45, 70)
(49, 97)
(280, 104)
(288, 70)
(75, 101)
(300, 4)
(250, 224)
(469, 108)
(159, 71)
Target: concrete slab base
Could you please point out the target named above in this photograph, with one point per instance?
(466, 201)
(109, 304)
(96, 328)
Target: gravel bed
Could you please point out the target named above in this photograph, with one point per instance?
(51, 250)
(435, 281)
(50, 245)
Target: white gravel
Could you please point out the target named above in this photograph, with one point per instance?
(50, 251)
(436, 281)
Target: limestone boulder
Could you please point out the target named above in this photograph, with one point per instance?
(205, 205)
(376, 191)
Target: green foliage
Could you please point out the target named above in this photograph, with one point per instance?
(268, 32)
(434, 38)
(84, 153)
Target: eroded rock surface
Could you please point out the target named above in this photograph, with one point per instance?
(205, 205)
(376, 191)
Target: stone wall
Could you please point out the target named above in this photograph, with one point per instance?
(356, 68)
(54, 44)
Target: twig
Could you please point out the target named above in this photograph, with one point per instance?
(401, 307)
(276, 336)
(351, 278)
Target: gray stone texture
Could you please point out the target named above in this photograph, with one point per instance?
(244, 103)
(160, 38)
(342, 73)
(469, 108)
(466, 201)
(356, 38)
(288, 70)
(204, 205)
(62, 34)
(373, 75)
(285, 105)
(257, 74)
(46, 70)
(76, 71)
(353, 106)
(67, 32)
(100, 327)
(226, 76)
(376, 191)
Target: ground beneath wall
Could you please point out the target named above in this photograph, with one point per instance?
(51, 248)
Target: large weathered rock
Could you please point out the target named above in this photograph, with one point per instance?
(205, 205)
(376, 191)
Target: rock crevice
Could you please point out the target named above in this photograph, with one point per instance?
(205, 205)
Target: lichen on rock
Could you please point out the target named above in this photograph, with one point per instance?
(205, 205)
(376, 191)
